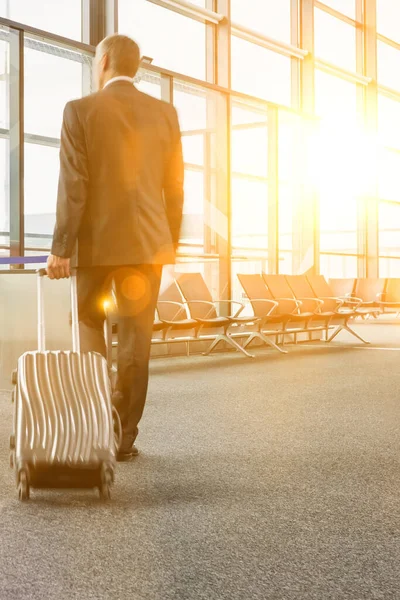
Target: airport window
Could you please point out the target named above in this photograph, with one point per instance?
(346, 7)
(388, 174)
(334, 40)
(389, 121)
(388, 66)
(50, 82)
(268, 78)
(41, 182)
(389, 239)
(388, 18)
(335, 98)
(249, 178)
(173, 41)
(268, 17)
(63, 17)
(4, 193)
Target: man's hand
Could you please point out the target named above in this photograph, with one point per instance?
(57, 267)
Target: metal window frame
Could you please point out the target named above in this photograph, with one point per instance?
(255, 37)
(336, 71)
(188, 9)
(16, 144)
(358, 23)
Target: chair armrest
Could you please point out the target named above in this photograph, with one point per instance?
(291, 301)
(180, 306)
(241, 305)
(317, 301)
(339, 301)
(351, 300)
(273, 302)
(206, 302)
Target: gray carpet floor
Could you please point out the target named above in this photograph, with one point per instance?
(277, 478)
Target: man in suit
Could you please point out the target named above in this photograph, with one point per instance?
(119, 212)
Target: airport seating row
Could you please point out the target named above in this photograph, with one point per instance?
(283, 306)
(381, 293)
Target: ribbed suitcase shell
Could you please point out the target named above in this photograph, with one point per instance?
(63, 418)
(63, 409)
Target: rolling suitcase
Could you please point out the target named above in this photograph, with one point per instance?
(64, 422)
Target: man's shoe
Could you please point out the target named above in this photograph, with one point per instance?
(126, 455)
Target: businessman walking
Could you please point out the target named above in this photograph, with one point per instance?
(119, 212)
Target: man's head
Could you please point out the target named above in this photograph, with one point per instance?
(116, 55)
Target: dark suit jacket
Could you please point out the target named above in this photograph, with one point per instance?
(120, 191)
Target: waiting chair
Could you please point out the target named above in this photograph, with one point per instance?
(305, 308)
(370, 290)
(344, 313)
(203, 309)
(342, 288)
(265, 308)
(390, 301)
(303, 291)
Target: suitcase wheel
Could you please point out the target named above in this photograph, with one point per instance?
(12, 442)
(23, 486)
(106, 482)
(14, 377)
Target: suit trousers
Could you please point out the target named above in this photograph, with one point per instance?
(136, 289)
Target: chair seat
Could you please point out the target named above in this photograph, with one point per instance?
(366, 311)
(182, 324)
(159, 326)
(215, 321)
(244, 320)
(302, 316)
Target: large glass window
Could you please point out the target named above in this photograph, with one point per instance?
(4, 193)
(249, 208)
(388, 19)
(63, 17)
(346, 7)
(388, 66)
(334, 40)
(173, 41)
(291, 211)
(269, 17)
(53, 76)
(338, 179)
(389, 239)
(149, 83)
(199, 111)
(388, 174)
(388, 122)
(4, 75)
(335, 98)
(50, 82)
(4, 147)
(260, 72)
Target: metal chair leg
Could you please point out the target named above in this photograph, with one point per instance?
(251, 337)
(335, 333)
(350, 330)
(214, 344)
(234, 343)
(269, 342)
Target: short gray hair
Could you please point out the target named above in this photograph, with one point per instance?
(123, 54)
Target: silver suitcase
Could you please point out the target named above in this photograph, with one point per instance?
(64, 423)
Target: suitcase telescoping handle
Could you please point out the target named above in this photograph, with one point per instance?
(74, 310)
